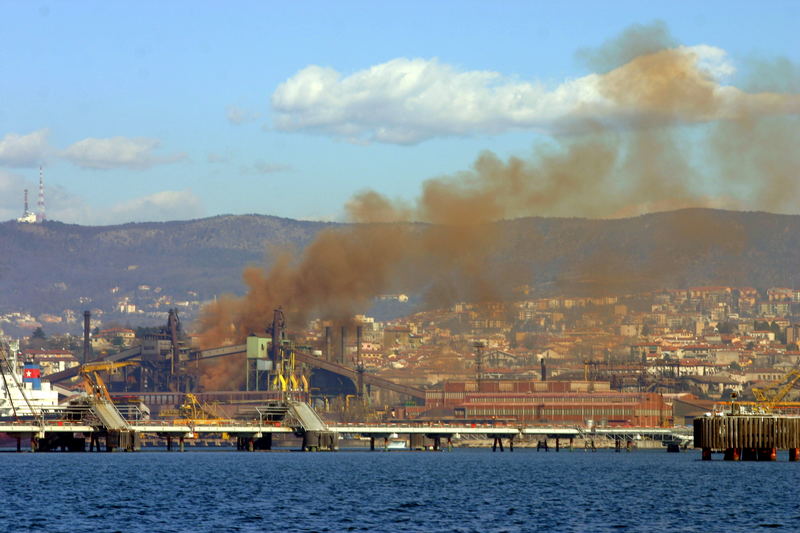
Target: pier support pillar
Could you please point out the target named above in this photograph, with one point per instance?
(181, 447)
(372, 444)
(311, 441)
(169, 443)
(497, 442)
(628, 445)
(333, 441)
(570, 443)
(558, 444)
(749, 454)
(732, 454)
(706, 454)
(617, 445)
(767, 454)
(264, 442)
(450, 443)
(437, 443)
(511, 444)
(19, 443)
(794, 454)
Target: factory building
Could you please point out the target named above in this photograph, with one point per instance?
(551, 402)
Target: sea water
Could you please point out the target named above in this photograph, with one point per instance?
(463, 490)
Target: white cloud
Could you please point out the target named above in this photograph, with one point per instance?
(116, 152)
(407, 101)
(237, 115)
(161, 206)
(712, 60)
(24, 150)
(64, 206)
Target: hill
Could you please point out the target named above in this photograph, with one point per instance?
(51, 266)
(48, 267)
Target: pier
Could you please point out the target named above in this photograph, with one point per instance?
(101, 426)
(748, 437)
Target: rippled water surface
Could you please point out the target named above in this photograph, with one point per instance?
(464, 490)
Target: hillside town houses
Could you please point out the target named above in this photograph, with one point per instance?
(706, 341)
(700, 342)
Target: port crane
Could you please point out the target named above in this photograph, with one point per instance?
(774, 393)
(91, 381)
(193, 411)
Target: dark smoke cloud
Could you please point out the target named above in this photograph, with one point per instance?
(636, 40)
(740, 151)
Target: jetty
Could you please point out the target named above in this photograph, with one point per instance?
(747, 437)
(99, 425)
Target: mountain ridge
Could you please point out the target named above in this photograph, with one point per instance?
(47, 267)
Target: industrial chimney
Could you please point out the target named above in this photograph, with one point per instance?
(328, 354)
(342, 346)
(478, 345)
(87, 344)
(359, 331)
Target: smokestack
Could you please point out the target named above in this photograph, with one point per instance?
(359, 330)
(359, 365)
(278, 323)
(544, 370)
(87, 345)
(328, 354)
(478, 363)
(173, 324)
(341, 348)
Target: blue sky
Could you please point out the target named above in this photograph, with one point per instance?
(171, 110)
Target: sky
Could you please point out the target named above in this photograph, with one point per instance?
(152, 111)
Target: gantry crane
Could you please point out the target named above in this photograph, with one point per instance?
(774, 393)
(93, 384)
(193, 412)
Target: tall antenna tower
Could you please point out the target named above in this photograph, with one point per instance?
(40, 215)
(27, 217)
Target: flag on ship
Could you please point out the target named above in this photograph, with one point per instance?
(31, 373)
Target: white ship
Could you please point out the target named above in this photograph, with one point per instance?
(23, 394)
(397, 444)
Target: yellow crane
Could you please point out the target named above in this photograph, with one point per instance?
(773, 394)
(93, 384)
(193, 411)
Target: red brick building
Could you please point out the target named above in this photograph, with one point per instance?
(551, 402)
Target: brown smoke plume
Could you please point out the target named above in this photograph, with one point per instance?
(683, 141)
